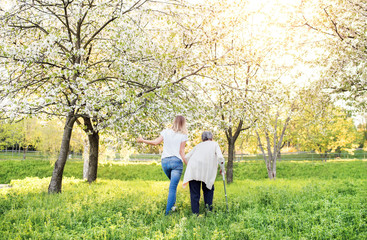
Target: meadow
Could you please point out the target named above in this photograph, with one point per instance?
(308, 200)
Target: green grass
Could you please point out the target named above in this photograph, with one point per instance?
(357, 154)
(34, 155)
(307, 201)
(255, 170)
(31, 155)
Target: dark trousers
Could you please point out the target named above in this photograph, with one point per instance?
(195, 195)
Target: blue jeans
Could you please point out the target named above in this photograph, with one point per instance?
(172, 167)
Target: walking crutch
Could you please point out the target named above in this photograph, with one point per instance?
(224, 183)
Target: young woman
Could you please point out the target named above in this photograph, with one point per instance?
(174, 141)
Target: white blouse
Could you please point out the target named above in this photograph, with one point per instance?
(171, 143)
(203, 162)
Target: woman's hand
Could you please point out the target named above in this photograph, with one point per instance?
(154, 142)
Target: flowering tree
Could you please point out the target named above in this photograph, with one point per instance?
(86, 60)
(53, 61)
(227, 89)
(259, 51)
(289, 80)
(343, 26)
(279, 108)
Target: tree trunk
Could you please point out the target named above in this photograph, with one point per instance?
(230, 161)
(86, 159)
(279, 156)
(231, 140)
(269, 169)
(274, 168)
(93, 138)
(271, 174)
(271, 159)
(93, 156)
(25, 149)
(56, 180)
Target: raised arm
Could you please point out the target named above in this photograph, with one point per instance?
(154, 142)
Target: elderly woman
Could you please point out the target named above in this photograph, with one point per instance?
(202, 164)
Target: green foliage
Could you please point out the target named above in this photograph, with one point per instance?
(308, 156)
(44, 135)
(330, 130)
(116, 209)
(309, 200)
(11, 169)
(23, 133)
(254, 170)
(355, 169)
(10, 134)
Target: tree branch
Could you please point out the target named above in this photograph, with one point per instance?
(173, 83)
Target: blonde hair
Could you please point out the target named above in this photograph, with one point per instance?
(179, 124)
